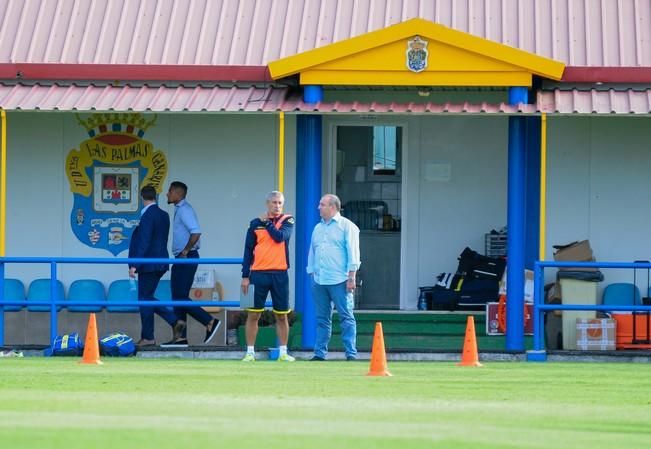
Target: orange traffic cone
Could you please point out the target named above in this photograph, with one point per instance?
(91, 345)
(378, 356)
(470, 356)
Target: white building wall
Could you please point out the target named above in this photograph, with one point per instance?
(460, 171)
(599, 188)
(454, 187)
(229, 162)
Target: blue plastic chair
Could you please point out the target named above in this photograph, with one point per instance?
(87, 290)
(621, 294)
(120, 291)
(14, 291)
(39, 290)
(164, 290)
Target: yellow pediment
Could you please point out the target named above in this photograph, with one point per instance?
(417, 53)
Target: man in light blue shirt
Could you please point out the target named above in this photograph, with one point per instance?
(333, 261)
(185, 244)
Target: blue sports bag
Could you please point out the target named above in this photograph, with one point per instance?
(69, 344)
(117, 344)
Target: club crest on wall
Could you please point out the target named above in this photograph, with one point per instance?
(417, 54)
(105, 176)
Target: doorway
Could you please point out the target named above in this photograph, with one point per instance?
(367, 163)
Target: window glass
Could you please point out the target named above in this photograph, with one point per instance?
(386, 149)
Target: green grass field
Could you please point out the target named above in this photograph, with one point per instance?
(163, 403)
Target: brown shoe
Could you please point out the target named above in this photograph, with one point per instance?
(177, 330)
(144, 342)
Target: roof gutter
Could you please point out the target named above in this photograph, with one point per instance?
(606, 75)
(247, 73)
(134, 72)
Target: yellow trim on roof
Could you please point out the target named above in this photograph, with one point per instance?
(361, 78)
(379, 58)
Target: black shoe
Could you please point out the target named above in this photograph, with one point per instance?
(212, 330)
(180, 343)
(316, 358)
(351, 358)
(177, 330)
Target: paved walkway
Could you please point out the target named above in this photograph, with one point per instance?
(220, 353)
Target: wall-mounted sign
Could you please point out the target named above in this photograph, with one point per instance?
(417, 54)
(106, 175)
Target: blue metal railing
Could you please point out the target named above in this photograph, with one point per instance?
(55, 301)
(539, 306)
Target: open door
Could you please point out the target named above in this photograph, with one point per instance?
(368, 181)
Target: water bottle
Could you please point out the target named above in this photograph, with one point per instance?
(350, 301)
(133, 285)
(422, 300)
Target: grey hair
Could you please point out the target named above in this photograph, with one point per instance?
(275, 194)
(333, 200)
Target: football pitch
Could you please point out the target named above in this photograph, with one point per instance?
(175, 403)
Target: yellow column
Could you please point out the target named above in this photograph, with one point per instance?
(3, 182)
(281, 151)
(543, 184)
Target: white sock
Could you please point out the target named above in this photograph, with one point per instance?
(250, 350)
(282, 349)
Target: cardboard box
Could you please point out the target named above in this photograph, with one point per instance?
(574, 252)
(595, 334)
(528, 285)
(492, 323)
(206, 288)
(204, 278)
(201, 294)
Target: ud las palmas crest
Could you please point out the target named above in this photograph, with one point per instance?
(106, 175)
(417, 54)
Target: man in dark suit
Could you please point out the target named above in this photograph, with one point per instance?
(149, 240)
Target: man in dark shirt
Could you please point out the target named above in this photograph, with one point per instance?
(149, 240)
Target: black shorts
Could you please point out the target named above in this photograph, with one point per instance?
(276, 282)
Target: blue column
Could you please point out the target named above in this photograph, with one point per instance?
(312, 94)
(308, 194)
(515, 224)
(518, 95)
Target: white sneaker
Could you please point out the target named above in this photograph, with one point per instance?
(286, 358)
(249, 358)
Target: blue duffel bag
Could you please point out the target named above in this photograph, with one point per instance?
(69, 344)
(117, 344)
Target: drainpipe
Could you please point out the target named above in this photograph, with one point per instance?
(3, 212)
(281, 151)
(3, 182)
(543, 186)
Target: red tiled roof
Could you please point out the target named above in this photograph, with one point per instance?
(607, 33)
(169, 98)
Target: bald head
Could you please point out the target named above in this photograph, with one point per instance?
(329, 206)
